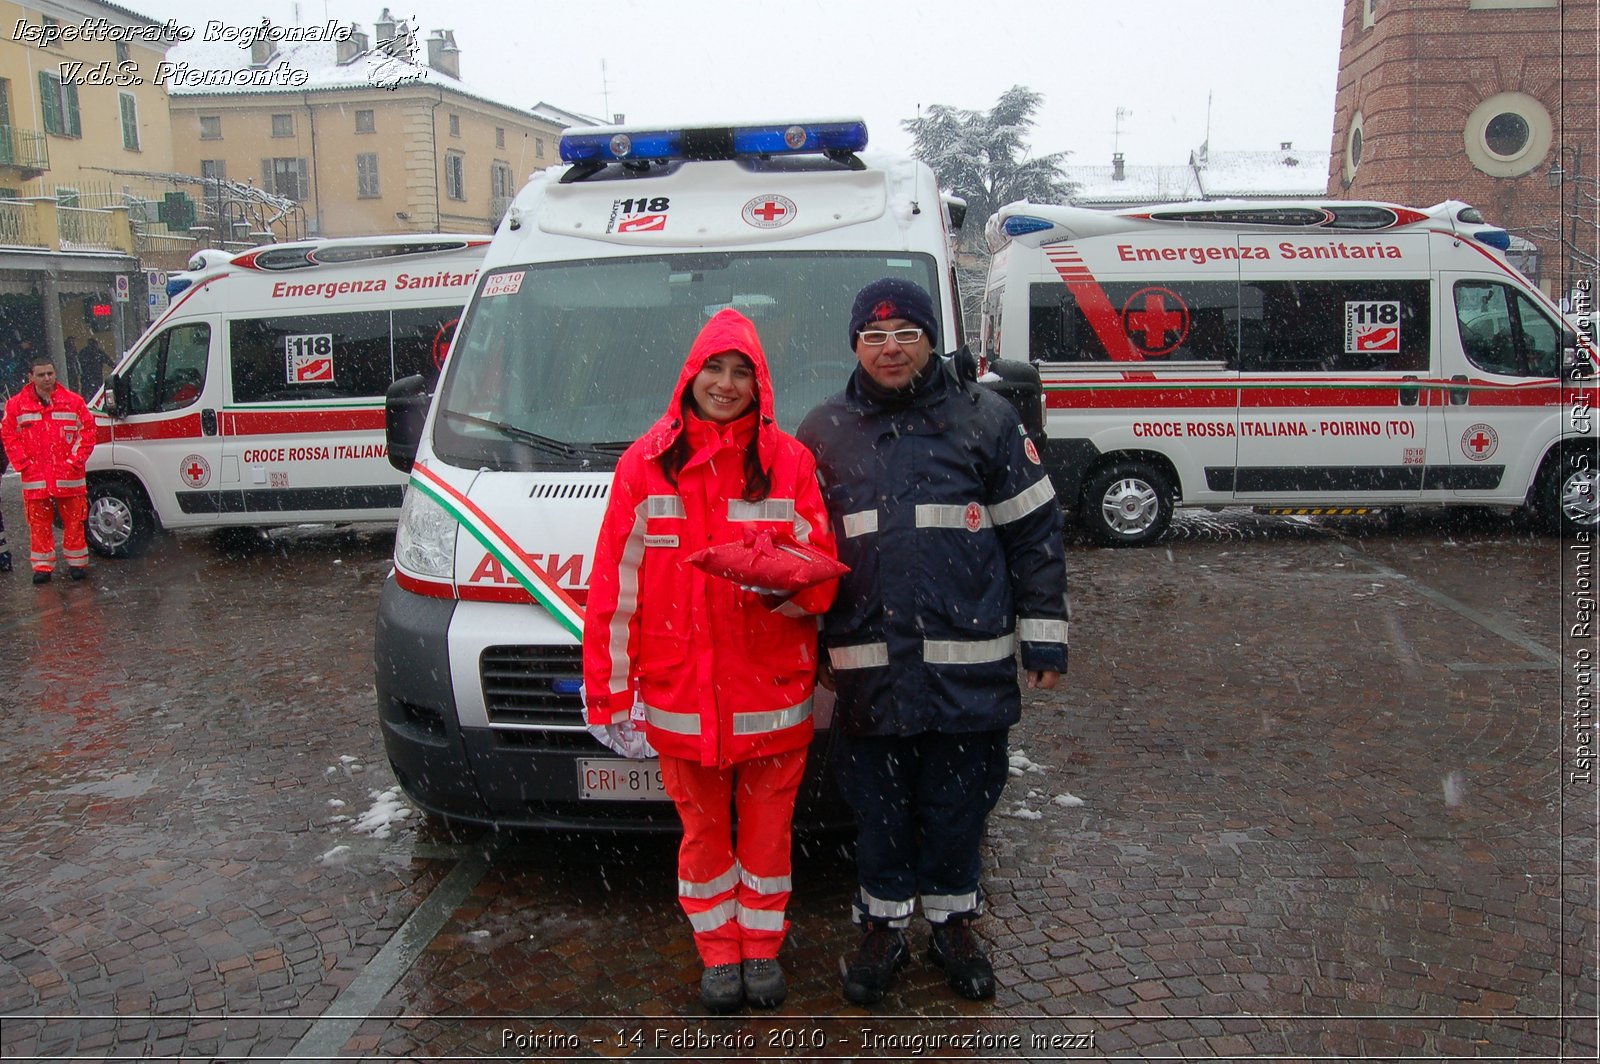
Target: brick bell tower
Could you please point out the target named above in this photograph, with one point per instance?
(1493, 102)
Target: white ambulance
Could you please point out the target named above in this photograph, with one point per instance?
(257, 398)
(1294, 357)
(597, 282)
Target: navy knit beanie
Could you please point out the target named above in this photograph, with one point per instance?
(893, 297)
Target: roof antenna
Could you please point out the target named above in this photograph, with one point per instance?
(605, 91)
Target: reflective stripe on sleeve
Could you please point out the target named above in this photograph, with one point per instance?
(28, 419)
(32, 485)
(859, 523)
(80, 482)
(1024, 502)
(765, 884)
(863, 656)
(627, 601)
(679, 723)
(710, 888)
(765, 510)
(664, 506)
(938, 515)
(768, 721)
(965, 652)
(1041, 630)
(761, 919)
(713, 917)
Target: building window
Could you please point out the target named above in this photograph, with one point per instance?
(129, 108)
(214, 169)
(499, 136)
(365, 122)
(367, 175)
(500, 180)
(210, 127)
(66, 197)
(122, 52)
(455, 125)
(1355, 145)
(1508, 135)
(538, 148)
(1369, 14)
(59, 101)
(283, 125)
(455, 185)
(285, 177)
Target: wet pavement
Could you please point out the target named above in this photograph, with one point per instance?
(1308, 791)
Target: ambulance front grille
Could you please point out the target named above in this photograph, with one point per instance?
(533, 686)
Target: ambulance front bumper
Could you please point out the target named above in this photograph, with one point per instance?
(460, 755)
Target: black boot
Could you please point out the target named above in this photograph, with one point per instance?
(41, 576)
(721, 988)
(868, 974)
(954, 948)
(764, 986)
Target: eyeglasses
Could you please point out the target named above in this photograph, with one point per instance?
(879, 337)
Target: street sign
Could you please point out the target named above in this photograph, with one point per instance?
(120, 289)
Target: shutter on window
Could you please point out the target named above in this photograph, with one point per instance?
(70, 94)
(302, 186)
(50, 99)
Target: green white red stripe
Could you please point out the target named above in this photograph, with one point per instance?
(499, 543)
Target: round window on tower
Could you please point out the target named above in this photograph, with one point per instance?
(1508, 135)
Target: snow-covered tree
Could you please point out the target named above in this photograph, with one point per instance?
(982, 156)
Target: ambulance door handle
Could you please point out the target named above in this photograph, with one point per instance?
(208, 421)
(1408, 391)
(1459, 396)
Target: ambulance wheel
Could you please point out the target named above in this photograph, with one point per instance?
(120, 519)
(1567, 497)
(1126, 504)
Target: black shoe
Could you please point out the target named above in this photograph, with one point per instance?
(721, 988)
(868, 974)
(954, 948)
(41, 577)
(763, 982)
(77, 572)
(5, 561)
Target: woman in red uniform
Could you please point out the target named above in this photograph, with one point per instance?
(720, 676)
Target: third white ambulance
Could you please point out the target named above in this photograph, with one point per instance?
(1290, 356)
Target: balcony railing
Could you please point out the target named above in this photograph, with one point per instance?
(84, 229)
(24, 148)
(19, 224)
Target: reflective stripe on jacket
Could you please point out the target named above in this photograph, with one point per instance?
(722, 677)
(49, 445)
(952, 532)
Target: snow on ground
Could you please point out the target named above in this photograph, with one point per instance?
(388, 809)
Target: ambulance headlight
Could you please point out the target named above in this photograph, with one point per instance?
(425, 541)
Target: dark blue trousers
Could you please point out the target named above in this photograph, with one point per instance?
(920, 805)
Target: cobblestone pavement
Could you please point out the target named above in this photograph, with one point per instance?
(1327, 810)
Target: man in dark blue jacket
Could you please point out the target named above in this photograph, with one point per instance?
(953, 537)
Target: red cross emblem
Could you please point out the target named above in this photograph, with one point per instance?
(973, 518)
(195, 471)
(1151, 315)
(1479, 442)
(769, 212)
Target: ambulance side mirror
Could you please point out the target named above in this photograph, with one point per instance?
(1575, 365)
(115, 402)
(405, 408)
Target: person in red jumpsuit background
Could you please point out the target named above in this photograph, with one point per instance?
(48, 433)
(721, 676)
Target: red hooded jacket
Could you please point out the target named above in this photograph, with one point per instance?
(49, 445)
(722, 677)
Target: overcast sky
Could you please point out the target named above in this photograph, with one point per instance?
(1267, 67)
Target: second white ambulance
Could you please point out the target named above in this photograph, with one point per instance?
(257, 398)
(1290, 356)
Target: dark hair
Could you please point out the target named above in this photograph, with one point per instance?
(41, 360)
(757, 482)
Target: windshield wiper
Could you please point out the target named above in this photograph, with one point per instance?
(522, 435)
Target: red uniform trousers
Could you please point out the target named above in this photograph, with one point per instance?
(42, 532)
(733, 895)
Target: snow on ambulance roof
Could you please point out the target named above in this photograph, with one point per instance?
(198, 67)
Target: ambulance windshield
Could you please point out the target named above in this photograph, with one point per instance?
(585, 353)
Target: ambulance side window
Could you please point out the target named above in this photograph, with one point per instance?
(1155, 320)
(1338, 327)
(171, 373)
(422, 338)
(310, 356)
(989, 335)
(1503, 331)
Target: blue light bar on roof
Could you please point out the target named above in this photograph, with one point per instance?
(600, 145)
(1495, 238)
(1021, 224)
